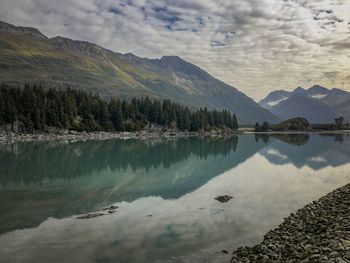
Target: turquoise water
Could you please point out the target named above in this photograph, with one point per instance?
(165, 192)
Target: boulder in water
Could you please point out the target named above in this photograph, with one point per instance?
(223, 198)
(92, 215)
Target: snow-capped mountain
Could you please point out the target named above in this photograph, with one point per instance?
(317, 104)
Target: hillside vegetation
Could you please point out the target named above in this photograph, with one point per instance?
(28, 56)
(294, 124)
(35, 109)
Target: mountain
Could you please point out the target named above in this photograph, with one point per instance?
(317, 92)
(28, 56)
(299, 105)
(274, 98)
(317, 104)
(344, 109)
(336, 97)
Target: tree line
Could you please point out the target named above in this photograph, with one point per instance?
(33, 108)
(263, 128)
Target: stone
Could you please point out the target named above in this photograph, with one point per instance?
(334, 254)
(91, 215)
(315, 251)
(223, 198)
(113, 207)
(319, 232)
(340, 260)
(315, 256)
(345, 243)
(326, 249)
(245, 260)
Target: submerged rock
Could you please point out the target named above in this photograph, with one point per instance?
(109, 208)
(91, 215)
(113, 207)
(223, 198)
(105, 211)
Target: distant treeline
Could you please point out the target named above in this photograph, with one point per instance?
(33, 108)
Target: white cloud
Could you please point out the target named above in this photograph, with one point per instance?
(254, 45)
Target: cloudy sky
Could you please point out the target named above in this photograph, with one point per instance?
(255, 45)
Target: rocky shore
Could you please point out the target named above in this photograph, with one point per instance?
(73, 136)
(319, 232)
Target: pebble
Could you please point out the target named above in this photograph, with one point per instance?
(73, 136)
(319, 232)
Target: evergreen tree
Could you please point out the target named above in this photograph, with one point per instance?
(36, 108)
(195, 123)
(265, 126)
(116, 112)
(103, 118)
(257, 127)
(234, 122)
(2, 109)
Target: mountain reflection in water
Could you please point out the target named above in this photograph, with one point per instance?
(58, 180)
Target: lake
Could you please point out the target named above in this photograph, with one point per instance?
(165, 194)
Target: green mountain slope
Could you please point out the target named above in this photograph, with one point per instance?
(28, 56)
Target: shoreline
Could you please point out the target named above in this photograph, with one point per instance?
(73, 136)
(301, 132)
(318, 232)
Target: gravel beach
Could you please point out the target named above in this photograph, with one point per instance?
(319, 232)
(72, 136)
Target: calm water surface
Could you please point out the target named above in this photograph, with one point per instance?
(165, 191)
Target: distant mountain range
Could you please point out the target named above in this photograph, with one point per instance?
(317, 104)
(28, 56)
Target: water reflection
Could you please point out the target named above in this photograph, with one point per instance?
(316, 151)
(58, 180)
(35, 162)
(44, 185)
